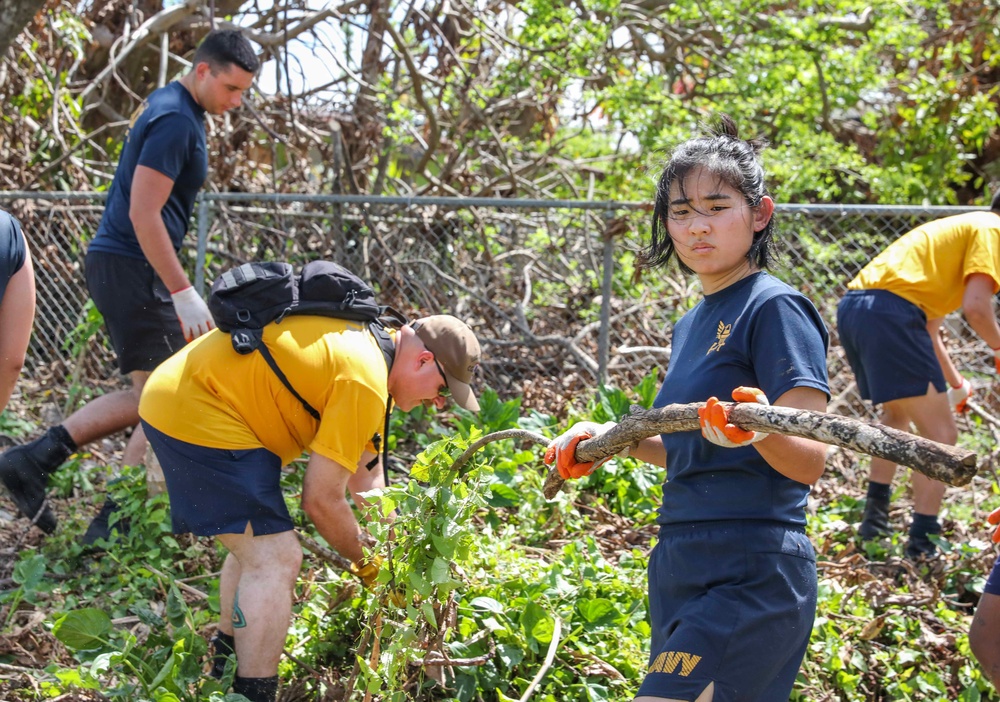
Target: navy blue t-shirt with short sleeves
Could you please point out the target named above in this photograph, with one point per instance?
(12, 249)
(167, 134)
(761, 333)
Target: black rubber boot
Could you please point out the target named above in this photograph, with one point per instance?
(25, 472)
(875, 522)
(223, 647)
(919, 545)
(99, 527)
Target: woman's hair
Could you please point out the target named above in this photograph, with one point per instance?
(733, 161)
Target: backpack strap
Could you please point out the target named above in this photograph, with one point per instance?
(385, 342)
(388, 347)
(266, 353)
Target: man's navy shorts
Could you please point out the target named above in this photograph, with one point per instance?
(138, 311)
(886, 341)
(219, 491)
(730, 602)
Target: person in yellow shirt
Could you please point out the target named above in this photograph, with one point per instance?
(889, 324)
(223, 425)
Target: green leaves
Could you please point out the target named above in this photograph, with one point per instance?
(83, 629)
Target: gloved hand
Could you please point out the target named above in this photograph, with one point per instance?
(714, 419)
(192, 312)
(367, 571)
(959, 396)
(996, 359)
(994, 519)
(562, 450)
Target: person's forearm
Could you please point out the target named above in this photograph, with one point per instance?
(651, 451)
(335, 522)
(985, 326)
(155, 242)
(951, 373)
(800, 459)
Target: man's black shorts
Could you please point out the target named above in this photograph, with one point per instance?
(137, 309)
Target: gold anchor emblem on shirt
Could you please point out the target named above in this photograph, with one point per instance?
(721, 334)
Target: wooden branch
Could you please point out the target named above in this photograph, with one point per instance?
(497, 436)
(331, 557)
(949, 464)
(160, 22)
(290, 31)
(418, 91)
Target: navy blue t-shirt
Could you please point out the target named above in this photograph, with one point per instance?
(167, 134)
(12, 249)
(757, 332)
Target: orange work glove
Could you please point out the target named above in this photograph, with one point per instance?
(715, 425)
(562, 450)
(994, 519)
(959, 396)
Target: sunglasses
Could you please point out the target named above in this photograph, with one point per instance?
(445, 391)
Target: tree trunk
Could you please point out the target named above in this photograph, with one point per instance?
(14, 15)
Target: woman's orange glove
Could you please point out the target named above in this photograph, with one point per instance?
(994, 519)
(562, 450)
(715, 425)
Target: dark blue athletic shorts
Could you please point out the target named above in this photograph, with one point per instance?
(993, 584)
(886, 341)
(219, 491)
(731, 603)
(138, 311)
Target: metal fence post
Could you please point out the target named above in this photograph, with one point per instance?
(199, 265)
(606, 291)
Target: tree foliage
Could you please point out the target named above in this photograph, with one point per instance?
(881, 102)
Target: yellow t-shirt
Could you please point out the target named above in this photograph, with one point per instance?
(929, 265)
(209, 395)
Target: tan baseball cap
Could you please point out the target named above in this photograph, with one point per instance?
(455, 347)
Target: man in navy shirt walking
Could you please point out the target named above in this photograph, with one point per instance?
(133, 272)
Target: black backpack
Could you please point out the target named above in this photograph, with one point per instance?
(245, 299)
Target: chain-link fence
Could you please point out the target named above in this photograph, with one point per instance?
(548, 286)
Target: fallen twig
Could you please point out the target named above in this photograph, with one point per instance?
(549, 657)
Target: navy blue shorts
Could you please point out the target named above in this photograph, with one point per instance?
(731, 603)
(219, 491)
(993, 584)
(137, 309)
(886, 341)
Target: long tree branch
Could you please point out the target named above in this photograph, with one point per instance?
(949, 464)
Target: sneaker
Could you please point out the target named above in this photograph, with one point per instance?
(100, 528)
(25, 472)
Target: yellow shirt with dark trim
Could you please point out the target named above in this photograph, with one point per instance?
(209, 395)
(929, 265)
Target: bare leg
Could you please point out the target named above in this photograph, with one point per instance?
(934, 420)
(228, 581)
(108, 414)
(894, 415)
(262, 603)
